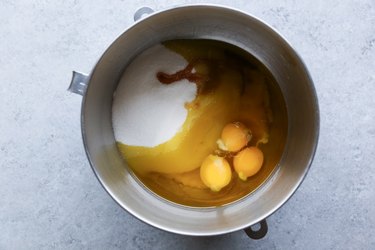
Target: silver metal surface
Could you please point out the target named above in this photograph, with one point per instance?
(79, 83)
(142, 12)
(209, 22)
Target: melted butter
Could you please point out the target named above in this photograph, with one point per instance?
(230, 89)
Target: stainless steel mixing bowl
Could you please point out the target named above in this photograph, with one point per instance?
(200, 22)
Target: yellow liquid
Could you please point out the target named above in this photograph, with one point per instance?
(238, 89)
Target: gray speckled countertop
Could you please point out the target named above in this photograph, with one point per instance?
(49, 196)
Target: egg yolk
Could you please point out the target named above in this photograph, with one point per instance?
(215, 172)
(234, 137)
(248, 162)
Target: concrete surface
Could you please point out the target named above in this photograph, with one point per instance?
(49, 197)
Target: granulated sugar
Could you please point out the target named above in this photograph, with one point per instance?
(146, 112)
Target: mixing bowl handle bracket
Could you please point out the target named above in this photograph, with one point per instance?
(257, 234)
(142, 12)
(78, 84)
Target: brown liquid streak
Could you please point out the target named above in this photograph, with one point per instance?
(185, 73)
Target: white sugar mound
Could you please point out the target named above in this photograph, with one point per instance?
(146, 112)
